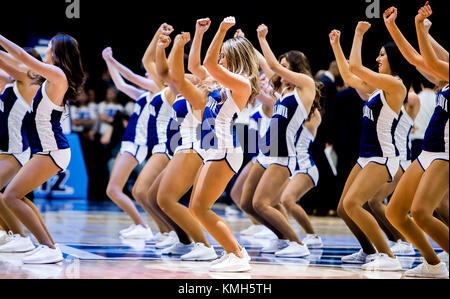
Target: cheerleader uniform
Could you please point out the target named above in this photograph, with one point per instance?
(402, 138)
(435, 143)
(218, 137)
(378, 135)
(305, 163)
(45, 131)
(259, 123)
(14, 112)
(282, 136)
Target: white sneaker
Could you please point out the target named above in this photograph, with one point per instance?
(170, 240)
(177, 249)
(443, 256)
(128, 229)
(265, 233)
(245, 254)
(383, 263)
(5, 237)
(17, 244)
(355, 258)
(200, 253)
(402, 248)
(313, 241)
(138, 232)
(251, 230)
(45, 255)
(293, 250)
(231, 263)
(275, 245)
(427, 270)
(224, 254)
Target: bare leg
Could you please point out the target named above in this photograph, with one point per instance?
(155, 165)
(36, 172)
(295, 190)
(365, 243)
(443, 210)
(238, 188)
(212, 181)
(179, 176)
(267, 196)
(378, 209)
(123, 167)
(399, 207)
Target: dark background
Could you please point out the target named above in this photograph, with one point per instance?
(128, 25)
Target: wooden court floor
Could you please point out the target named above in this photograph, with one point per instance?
(88, 236)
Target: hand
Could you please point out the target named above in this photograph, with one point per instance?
(363, 27)
(165, 29)
(390, 15)
(182, 39)
(164, 41)
(203, 25)
(227, 23)
(262, 31)
(424, 12)
(107, 53)
(335, 37)
(427, 24)
(239, 33)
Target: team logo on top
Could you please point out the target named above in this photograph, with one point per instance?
(2, 106)
(368, 113)
(211, 104)
(281, 110)
(443, 102)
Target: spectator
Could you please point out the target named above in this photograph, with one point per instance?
(108, 109)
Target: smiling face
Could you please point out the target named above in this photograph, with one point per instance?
(383, 63)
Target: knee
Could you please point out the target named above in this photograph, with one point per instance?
(247, 207)
(9, 199)
(163, 202)
(350, 207)
(259, 206)
(421, 216)
(392, 215)
(112, 191)
(341, 211)
(139, 194)
(196, 209)
(289, 202)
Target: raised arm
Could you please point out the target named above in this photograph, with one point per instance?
(162, 67)
(298, 79)
(385, 82)
(120, 83)
(407, 50)
(194, 64)
(50, 72)
(149, 59)
(426, 49)
(4, 78)
(364, 89)
(189, 91)
(11, 68)
(239, 85)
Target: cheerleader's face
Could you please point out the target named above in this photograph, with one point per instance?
(222, 60)
(383, 63)
(285, 64)
(49, 54)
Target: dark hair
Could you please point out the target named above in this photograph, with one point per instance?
(66, 56)
(299, 63)
(399, 66)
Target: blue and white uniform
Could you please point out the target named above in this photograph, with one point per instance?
(219, 138)
(378, 135)
(258, 125)
(188, 135)
(435, 143)
(135, 138)
(13, 118)
(402, 138)
(305, 163)
(161, 113)
(281, 138)
(46, 136)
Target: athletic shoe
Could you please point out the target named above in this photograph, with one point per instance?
(252, 230)
(243, 252)
(170, 240)
(383, 262)
(231, 263)
(371, 257)
(293, 250)
(200, 253)
(177, 249)
(17, 244)
(313, 241)
(128, 229)
(139, 232)
(45, 255)
(443, 256)
(265, 233)
(402, 248)
(5, 237)
(427, 270)
(275, 245)
(355, 258)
